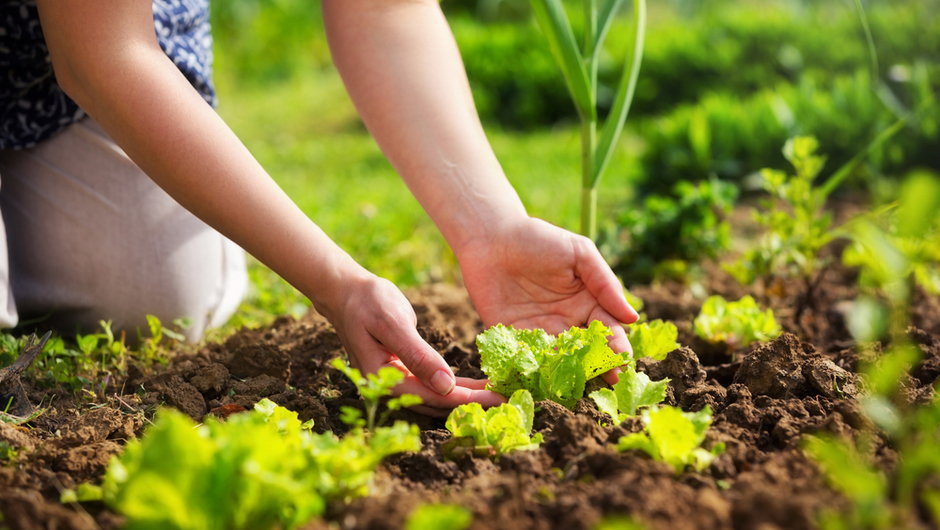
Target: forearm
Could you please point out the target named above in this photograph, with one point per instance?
(153, 113)
(404, 73)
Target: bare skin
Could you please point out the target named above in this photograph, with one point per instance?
(412, 93)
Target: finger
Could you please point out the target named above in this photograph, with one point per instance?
(417, 355)
(458, 396)
(612, 376)
(431, 411)
(475, 384)
(602, 283)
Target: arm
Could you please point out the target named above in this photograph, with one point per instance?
(106, 57)
(404, 73)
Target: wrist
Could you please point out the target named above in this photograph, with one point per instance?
(335, 285)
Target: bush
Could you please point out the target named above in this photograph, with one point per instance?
(729, 137)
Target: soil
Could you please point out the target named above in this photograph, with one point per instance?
(765, 399)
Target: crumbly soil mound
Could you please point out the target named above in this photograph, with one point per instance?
(765, 399)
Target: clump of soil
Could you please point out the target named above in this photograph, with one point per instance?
(765, 399)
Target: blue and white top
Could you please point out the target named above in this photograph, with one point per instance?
(33, 107)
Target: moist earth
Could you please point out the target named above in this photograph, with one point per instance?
(765, 398)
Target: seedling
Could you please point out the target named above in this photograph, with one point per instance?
(795, 223)
(550, 367)
(891, 261)
(737, 324)
(670, 234)
(794, 220)
(373, 388)
(579, 66)
(439, 517)
(674, 437)
(653, 339)
(632, 391)
(259, 469)
(635, 389)
(496, 431)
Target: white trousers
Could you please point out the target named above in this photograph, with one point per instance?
(86, 236)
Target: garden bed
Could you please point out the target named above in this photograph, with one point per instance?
(765, 399)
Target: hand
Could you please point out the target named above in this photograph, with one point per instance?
(377, 326)
(534, 274)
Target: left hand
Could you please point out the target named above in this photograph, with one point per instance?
(532, 274)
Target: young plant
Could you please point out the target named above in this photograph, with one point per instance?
(670, 234)
(439, 517)
(579, 66)
(260, 469)
(674, 437)
(635, 389)
(496, 431)
(550, 367)
(372, 388)
(737, 324)
(653, 339)
(892, 260)
(794, 221)
(632, 391)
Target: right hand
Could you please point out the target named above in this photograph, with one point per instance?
(378, 327)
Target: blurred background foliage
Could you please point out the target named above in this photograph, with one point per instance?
(723, 84)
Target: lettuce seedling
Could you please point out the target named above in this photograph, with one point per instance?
(372, 388)
(635, 389)
(259, 469)
(555, 368)
(653, 339)
(632, 391)
(674, 437)
(496, 431)
(439, 517)
(737, 324)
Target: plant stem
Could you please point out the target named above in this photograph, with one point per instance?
(588, 184)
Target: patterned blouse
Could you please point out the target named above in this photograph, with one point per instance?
(33, 107)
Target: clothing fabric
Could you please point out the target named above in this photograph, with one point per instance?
(33, 107)
(91, 237)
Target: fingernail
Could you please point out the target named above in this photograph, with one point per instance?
(443, 382)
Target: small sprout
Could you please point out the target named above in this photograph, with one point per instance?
(496, 431)
(674, 437)
(439, 517)
(633, 391)
(372, 388)
(737, 324)
(653, 339)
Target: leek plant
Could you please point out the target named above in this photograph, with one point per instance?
(579, 67)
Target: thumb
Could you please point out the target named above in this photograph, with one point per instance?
(419, 357)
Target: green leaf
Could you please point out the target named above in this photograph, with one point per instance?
(498, 430)
(674, 437)
(653, 339)
(439, 517)
(623, 98)
(635, 390)
(260, 469)
(511, 357)
(555, 368)
(849, 471)
(606, 402)
(553, 20)
(522, 400)
(737, 323)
